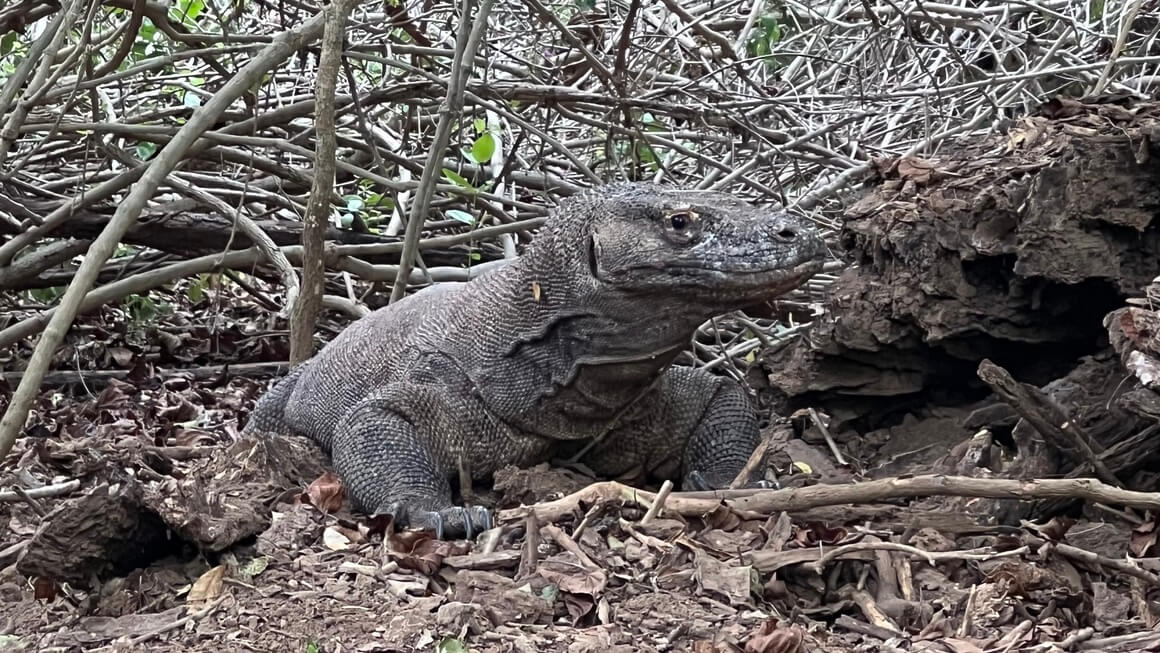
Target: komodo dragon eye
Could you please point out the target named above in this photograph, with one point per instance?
(682, 225)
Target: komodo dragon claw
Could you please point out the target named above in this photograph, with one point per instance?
(697, 482)
(449, 523)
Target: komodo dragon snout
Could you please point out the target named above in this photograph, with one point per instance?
(565, 352)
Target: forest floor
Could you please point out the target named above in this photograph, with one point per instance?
(897, 575)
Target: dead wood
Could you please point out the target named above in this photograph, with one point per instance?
(1049, 418)
(12, 423)
(796, 499)
(180, 228)
(1010, 247)
(54, 490)
(104, 532)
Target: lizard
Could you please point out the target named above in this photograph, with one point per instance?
(571, 343)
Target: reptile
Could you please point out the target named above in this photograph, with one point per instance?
(567, 349)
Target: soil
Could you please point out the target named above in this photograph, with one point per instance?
(998, 320)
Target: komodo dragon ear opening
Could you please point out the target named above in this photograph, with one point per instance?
(593, 253)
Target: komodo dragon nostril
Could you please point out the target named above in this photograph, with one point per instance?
(786, 235)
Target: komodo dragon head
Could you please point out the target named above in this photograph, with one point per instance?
(711, 248)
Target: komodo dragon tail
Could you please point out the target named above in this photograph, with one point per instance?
(269, 415)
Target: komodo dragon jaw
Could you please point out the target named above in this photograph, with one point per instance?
(568, 348)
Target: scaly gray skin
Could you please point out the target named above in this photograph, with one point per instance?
(572, 341)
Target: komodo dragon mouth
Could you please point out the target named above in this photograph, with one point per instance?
(739, 278)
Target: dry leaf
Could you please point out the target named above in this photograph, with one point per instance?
(573, 577)
(325, 493)
(723, 579)
(208, 586)
(1143, 538)
(334, 539)
(920, 171)
(772, 638)
(420, 551)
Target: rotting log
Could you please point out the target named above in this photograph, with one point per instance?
(1011, 247)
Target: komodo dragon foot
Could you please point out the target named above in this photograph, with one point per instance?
(697, 482)
(448, 523)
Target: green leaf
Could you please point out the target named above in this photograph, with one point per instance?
(462, 216)
(451, 645)
(480, 125)
(354, 203)
(146, 149)
(483, 148)
(380, 201)
(146, 31)
(194, 8)
(457, 179)
(9, 43)
(255, 566)
(191, 100)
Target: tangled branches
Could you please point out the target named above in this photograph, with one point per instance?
(782, 101)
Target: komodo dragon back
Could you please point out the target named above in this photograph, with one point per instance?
(566, 350)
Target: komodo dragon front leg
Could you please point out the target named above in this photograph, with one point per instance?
(696, 427)
(396, 451)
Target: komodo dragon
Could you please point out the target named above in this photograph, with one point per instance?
(570, 342)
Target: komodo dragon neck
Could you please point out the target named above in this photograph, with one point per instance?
(572, 348)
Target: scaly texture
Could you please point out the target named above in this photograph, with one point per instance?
(570, 343)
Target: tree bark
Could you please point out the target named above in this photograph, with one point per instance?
(304, 311)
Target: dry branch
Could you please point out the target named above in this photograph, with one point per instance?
(285, 44)
(304, 307)
(466, 43)
(696, 504)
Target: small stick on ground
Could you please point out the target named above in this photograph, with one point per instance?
(817, 420)
(695, 504)
(870, 609)
(491, 540)
(1090, 557)
(931, 557)
(31, 501)
(1015, 636)
(863, 628)
(569, 545)
(969, 609)
(658, 503)
(45, 491)
(758, 456)
(200, 614)
(530, 554)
